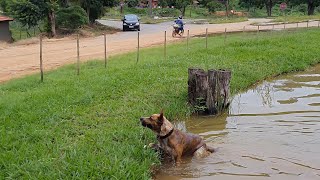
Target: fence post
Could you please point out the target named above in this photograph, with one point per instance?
(284, 25)
(78, 56)
(297, 24)
(188, 40)
(206, 38)
(105, 50)
(165, 45)
(138, 47)
(41, 66)
(272, 27)
(258, 28)
(308, 24)
(318, 23)
(225, 35)
(244, 28)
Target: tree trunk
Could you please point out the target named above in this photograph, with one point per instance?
(227, 7)
(88, 13)
(311, 7)
(183, 10)
(192, 84)
(209, 92)
(223, 89)
(269, 7)
(150, 8)
(212, 92)
(52, 23)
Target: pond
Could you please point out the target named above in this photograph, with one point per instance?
(271, 130)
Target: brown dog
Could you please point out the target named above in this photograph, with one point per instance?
(174, 142)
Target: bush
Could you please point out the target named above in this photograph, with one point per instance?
(71, 18)
(138, 11)
(132, 3)
(166, 12)
(201, 11)
(213, 6)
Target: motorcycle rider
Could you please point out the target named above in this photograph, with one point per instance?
(180, 23)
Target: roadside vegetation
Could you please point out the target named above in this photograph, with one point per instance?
(87, 126)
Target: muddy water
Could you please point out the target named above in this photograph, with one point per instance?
(271, 132)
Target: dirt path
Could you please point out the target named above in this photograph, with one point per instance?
(19, 60)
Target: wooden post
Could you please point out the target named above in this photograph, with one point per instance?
(258, 28)
(105, 50)
(165, 45)
(188, 40)
(138, 47)
(244, 28)
(225, 35)
(297, 24)
(284, 25)
(308, 24)
(41, 65)
(78, 56)
(318, 23)
(206, 38)
(272, 26)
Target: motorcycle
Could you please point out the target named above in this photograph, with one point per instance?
(176, 31)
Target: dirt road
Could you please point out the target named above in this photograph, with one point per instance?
(19, 60)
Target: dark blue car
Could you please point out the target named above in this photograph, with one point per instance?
(131, 22)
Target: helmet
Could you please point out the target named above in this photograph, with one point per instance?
(180, 17)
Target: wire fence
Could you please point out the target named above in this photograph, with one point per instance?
(103, 46)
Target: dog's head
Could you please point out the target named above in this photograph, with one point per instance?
(157, 123)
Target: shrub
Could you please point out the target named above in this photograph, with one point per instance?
(132, 3)
(213, 6)
(138, 11)
(71, 18)
(166, 12)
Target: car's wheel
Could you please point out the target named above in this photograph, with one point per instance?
(123, 28)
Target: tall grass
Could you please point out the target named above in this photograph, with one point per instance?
(87, 126)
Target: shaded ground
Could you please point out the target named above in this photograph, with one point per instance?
(19, 60)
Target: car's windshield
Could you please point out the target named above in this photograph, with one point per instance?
(131, 18)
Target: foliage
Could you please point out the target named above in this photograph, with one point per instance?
(213, 6)
(26, 12)
(71, 18)
(166, 12)
(132, 3)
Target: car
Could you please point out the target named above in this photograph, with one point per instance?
(131, 22)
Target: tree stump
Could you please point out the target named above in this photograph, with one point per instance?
(209, 92)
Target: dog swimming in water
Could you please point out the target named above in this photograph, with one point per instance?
(174, 142)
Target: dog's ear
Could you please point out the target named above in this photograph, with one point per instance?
(160, 120)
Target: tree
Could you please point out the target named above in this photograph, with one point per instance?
(312, 4)
(27, 13)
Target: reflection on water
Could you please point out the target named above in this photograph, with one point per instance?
(272, 131)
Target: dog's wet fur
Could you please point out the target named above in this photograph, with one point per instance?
(174, 142)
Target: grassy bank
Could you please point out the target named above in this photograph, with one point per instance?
(87, 126)
(295, 19)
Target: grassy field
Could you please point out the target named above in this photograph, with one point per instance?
(87, 126)
(294, 18)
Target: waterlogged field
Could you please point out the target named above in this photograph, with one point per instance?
(87, 126)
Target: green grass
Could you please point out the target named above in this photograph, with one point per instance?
(294, 19)
(87, 126)
(222, 20)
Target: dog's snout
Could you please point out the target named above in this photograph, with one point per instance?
(141, 119)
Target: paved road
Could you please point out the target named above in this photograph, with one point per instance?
(19, 60)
